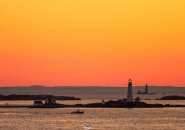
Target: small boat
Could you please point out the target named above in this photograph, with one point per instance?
(77, 112)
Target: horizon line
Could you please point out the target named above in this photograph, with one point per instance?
(86, 86)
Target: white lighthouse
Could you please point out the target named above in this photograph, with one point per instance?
(129, 92)
(146, 89)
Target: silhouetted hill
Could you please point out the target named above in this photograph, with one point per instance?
(37, 86)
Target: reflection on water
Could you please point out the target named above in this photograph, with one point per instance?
(87, 126)
(98, 118)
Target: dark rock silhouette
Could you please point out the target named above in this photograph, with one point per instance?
(172, 97)
(34, 97)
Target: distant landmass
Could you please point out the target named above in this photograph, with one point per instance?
(92, 92)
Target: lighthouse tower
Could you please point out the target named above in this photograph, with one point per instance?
(129, 92)
(146, 89)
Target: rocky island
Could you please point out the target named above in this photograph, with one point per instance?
(172, 97)
(35, 97)
(50, 101)
(129, 102)
(108, 104)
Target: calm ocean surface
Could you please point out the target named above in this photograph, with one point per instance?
(99, 119)
(95, 118)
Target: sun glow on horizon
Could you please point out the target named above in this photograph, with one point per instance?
(96, 43)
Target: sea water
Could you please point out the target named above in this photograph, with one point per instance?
(96, 118)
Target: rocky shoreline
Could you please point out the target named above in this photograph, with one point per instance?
(108, 104)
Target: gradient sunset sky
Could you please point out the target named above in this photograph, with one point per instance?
(92, 42)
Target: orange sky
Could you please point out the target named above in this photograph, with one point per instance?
(92, 42)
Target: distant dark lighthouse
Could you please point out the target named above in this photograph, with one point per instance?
(146, 89)
(129, 92)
